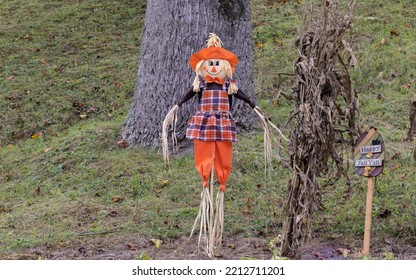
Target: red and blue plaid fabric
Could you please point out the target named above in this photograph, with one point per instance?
(213, 120)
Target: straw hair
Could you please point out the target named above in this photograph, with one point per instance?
(267, 140)
(214, 41)
(196, 84)
(169, 121)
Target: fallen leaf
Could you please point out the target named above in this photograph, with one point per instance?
(132, 246)
(395, 156)
(278, 42)
(48, 150)
(397, 166)
(164, 183)
(37, 191)
(118, 84)
(394, 32)
(383, 41)
(117, 199)
(144, 256)
(35, 136)
(122, 143)
(10, 78)
(344, 251)
(260, 45)
(319, 256)
(406, 86)
(83, 117)
(259, 186)
(156, 242)
(231, 246)
(43, 60)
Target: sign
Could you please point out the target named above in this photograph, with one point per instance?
(369, 154)
(370, 149)
(369, 162)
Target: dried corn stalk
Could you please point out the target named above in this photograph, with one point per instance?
(323, 118)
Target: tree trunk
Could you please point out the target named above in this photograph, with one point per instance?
(175, 29)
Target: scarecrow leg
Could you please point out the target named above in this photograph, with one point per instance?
(204, 152)
(211, 230)
(223, 159)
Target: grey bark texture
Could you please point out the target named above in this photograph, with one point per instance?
(175, 29)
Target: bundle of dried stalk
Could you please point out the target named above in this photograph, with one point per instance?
(323, 118)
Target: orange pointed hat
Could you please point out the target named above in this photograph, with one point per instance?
(213, 51)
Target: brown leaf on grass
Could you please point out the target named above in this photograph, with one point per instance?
(122, 143)
(406, 86)
(164, 183)
(395, 156)
(37, 191)
(118, 84)
(394, 32)
(259, 186)
(383, 41)
(83, 116)
(10, 78)
(397, 166)
(36, 135)
(43, 60)
(117, 199)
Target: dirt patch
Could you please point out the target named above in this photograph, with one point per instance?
(112, 247)
(133, 247)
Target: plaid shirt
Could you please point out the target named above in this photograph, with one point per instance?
(213, 120)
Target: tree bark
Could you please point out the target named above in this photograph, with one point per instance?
(175, 29)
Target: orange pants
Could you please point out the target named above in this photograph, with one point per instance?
(218, 153)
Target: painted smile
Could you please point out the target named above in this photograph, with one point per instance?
(214, 73)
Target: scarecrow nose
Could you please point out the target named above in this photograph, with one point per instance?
(213, 69)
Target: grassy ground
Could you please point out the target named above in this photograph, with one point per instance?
(68, 70)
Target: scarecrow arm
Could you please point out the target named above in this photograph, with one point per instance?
(242, 96)
(191, 93)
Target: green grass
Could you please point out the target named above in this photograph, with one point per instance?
(63, 178)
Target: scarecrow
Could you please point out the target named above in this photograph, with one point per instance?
(213, 131)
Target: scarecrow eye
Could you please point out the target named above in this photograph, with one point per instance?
(211, 63)
(217, 63)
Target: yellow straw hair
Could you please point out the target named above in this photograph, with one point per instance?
(170, 120)
(196, 82)
(214, 41)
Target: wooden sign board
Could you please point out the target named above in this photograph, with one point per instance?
(369, 162)
(369, 154)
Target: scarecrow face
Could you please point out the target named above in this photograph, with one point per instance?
(215, 68)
